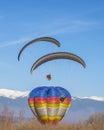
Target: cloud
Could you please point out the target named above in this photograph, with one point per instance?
(2, 15)
(4, 64)
(71, 26)
(21, 41)
(57, 27)
(14, 42)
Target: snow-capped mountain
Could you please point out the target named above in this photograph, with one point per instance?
(81, 107)
(13, 93)
(91, 97)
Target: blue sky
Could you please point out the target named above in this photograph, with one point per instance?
(77, 24)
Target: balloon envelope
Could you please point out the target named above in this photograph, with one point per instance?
(49, 104)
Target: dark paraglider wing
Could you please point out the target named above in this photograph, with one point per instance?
(57, 55)
(47, 39)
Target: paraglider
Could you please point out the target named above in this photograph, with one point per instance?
(48, 76)
(49, 104)
(57, 55)
(47, 39)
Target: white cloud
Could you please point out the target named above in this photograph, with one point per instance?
(4, 64)
(13, 43)
(72, 26)
(58, 27)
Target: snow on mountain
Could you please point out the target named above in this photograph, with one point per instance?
(97, 98)
(16, 94)
(91, 97)
(94, 98)
(13, 93)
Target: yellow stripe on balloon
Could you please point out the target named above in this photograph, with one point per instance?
(38, 105)
(53, 105)
(60, 104)
(65, 105)
(43, 105)
(50, 105)
(50, 117)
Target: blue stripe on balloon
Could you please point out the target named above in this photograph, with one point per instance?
(63, 92)
(49, 92)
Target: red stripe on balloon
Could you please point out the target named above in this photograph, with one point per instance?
(48, 100)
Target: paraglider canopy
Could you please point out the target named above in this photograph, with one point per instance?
(57, 55)
(47, 39)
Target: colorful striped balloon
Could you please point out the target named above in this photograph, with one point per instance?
(49, 104)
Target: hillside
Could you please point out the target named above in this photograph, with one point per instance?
(81, 108)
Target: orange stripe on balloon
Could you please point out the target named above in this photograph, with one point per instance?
(67, 100)
(51, 100)
(49, 121)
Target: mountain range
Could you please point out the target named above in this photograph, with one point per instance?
(81, 107)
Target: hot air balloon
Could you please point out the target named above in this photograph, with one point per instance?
(49, 104)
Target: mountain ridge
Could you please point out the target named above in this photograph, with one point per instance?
(13, 94)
